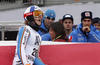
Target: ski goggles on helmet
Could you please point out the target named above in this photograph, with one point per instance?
(52, 18)
(37, 13)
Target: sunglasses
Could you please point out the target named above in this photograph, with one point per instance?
(37, 13)
(49, 17)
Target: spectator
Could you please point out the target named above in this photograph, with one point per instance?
(49, 17)
(67, 21)
(57, 32)
(85, 32)
(28, 39)
(99, 25)
(96, 23)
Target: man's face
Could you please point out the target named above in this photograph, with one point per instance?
(67, 24)
(87, 22)
(48, 21)
(97, 25)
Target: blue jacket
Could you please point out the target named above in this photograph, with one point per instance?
(79, 36)
(43, 29)
(98, 32)
(44, 33)
(46, 37)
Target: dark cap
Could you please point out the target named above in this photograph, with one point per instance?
(96, 20)
(86, 14)
(99, 21)
(67, 16)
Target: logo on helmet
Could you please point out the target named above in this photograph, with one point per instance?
(28, 14)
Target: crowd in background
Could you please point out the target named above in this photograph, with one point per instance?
(87, 31)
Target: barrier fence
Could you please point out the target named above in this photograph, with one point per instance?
(57, 53)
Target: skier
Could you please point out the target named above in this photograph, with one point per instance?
(28, 39)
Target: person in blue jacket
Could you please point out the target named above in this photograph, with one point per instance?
(68, 22)
(85, 31)
(49, 17)
(96, 23)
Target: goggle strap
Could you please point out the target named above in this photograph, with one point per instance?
(28, 14)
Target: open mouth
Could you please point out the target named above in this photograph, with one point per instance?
(38, 20)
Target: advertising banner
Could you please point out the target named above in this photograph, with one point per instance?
(57, 53)
(71, 54)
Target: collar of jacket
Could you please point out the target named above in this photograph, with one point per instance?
(32, 25)
(91, 27)
(43, 26)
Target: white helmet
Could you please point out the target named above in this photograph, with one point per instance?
(28, 14)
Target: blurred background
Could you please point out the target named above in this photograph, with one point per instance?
(11, 12)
